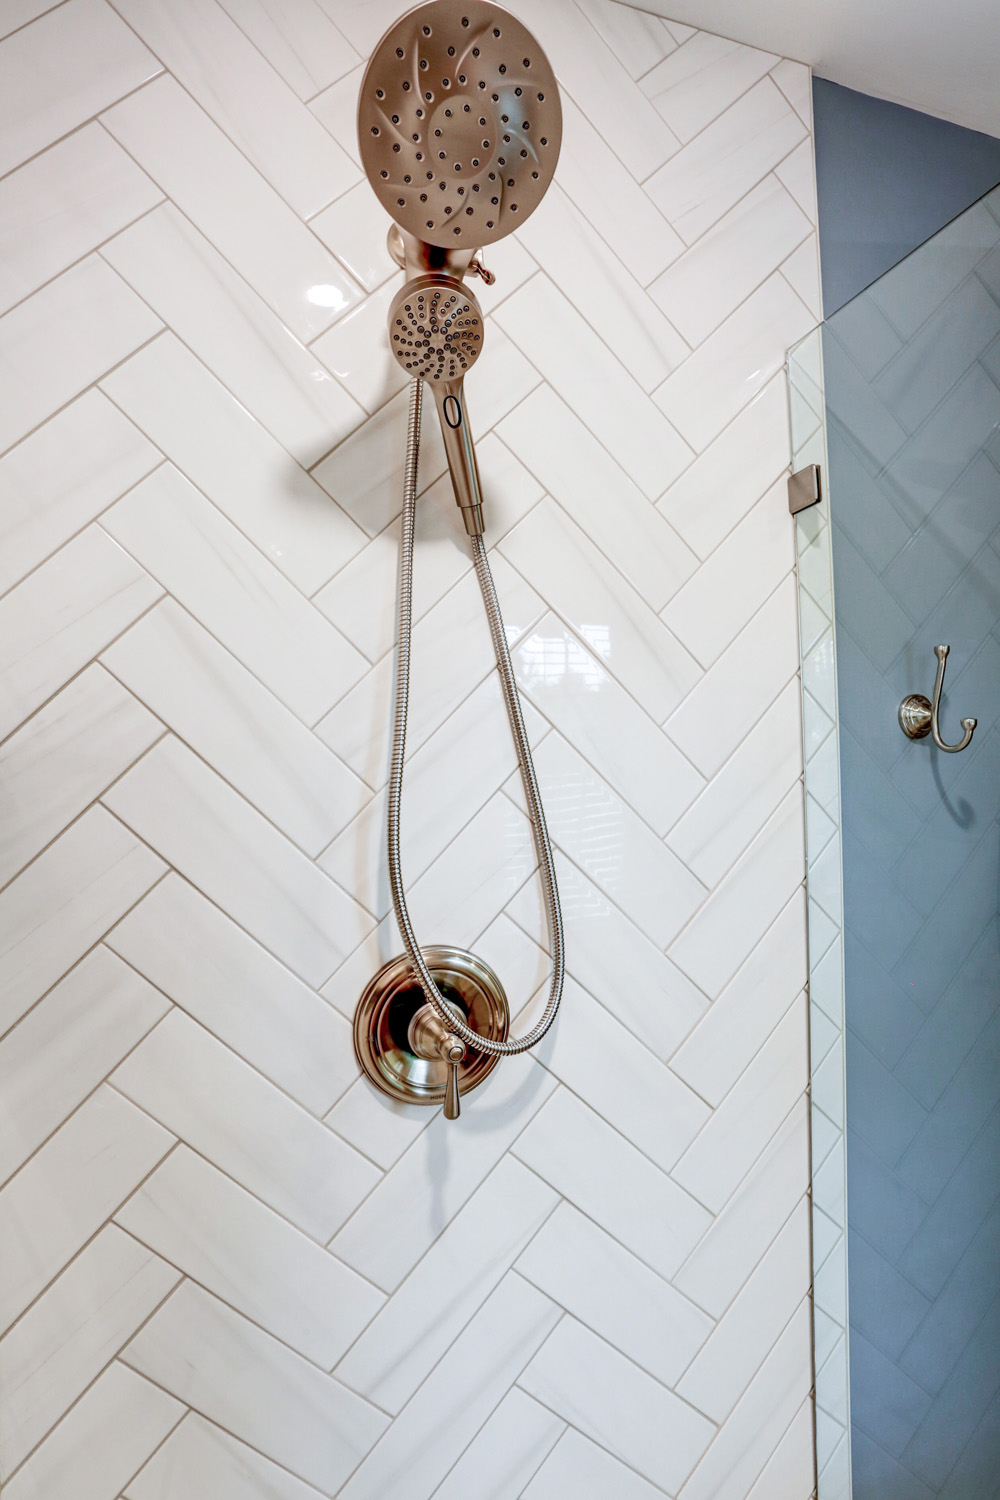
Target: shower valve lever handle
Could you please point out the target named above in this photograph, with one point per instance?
(429, 1037)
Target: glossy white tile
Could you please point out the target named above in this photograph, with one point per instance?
(61, 477)
(505, 1452)
(199, 1453)
(212, 439)
(711, 835)
(701, 80)
(295, 910)
(615, 962)
(63, 902)
(401, 1346)
(637, 39)
(45, 93)
(64, 1194)
(69, 1335)
(62, 205)
(739, 1022)
(741, 1233)
(448, 780)
(101, 1441)
(230, 1114)
(248, 348)
(564, 455)
(610, 1181)
(612, 201)
(735, 363)
(258, 1389)
(337, 106)
(380, 1127)
(740, 686)
(789, 1471)
(451, 654)
(618, 1405)
(213, 184)
(361, 599)
(598, 1282)
(710, 174)
(591, 823)
(592, 1054)
(357, 351)
(64, 1047)
(424, 1441)
(63, 758)
(593, 712)
(222, 69)
(55, 343)
(712, 496)
(602, 290)
(299, 41)
(229, 1242)
(714, 606)
(231, 720)
(583, 1469)
(18, 13)
(354, 228)
(794, 79)
(749, 1437)
(595, 382)
(417, 1193)
(727, 926)
(731, 260)
(217, 973)
(560, 560)
(742, 1339)
(231, 588)
(798, 173)
(715, 1164)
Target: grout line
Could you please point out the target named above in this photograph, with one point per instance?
(76, 129)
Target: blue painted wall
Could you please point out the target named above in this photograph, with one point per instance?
(887, 179)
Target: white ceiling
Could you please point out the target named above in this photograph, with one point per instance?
(941, 58)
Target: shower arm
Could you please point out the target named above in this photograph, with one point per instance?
(418, 258)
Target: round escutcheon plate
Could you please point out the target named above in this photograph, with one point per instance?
(389, 1003)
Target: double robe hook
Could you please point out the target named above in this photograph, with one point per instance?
(918, 717)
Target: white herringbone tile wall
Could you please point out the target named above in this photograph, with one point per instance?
(231, 1271)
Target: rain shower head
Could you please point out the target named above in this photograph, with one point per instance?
(459, 123)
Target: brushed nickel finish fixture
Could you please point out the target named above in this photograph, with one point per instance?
(405, 1047)
(459, 124)
(919, 716)
(436, 333)
(805, 488)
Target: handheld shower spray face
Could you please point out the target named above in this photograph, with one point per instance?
(436, 332)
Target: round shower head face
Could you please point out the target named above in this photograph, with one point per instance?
(459, 122)
(436, 328)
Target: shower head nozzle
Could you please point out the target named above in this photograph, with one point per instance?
(436, 328)
(459, 122)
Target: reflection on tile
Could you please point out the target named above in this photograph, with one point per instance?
(354, 229)
(237, 336)
(211, 182)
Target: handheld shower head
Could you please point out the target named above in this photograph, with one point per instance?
(459, 122)
(436, 333)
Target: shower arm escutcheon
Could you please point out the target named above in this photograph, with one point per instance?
(919, 716)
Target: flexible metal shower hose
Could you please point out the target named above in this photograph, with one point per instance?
(521, 745)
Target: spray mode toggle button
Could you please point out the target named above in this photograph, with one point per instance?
(452, 411)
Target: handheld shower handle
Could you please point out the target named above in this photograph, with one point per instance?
(460, 452)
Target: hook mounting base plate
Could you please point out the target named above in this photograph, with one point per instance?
(915, 716)
(390, 1001)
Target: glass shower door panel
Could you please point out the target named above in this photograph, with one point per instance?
(912, 371)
